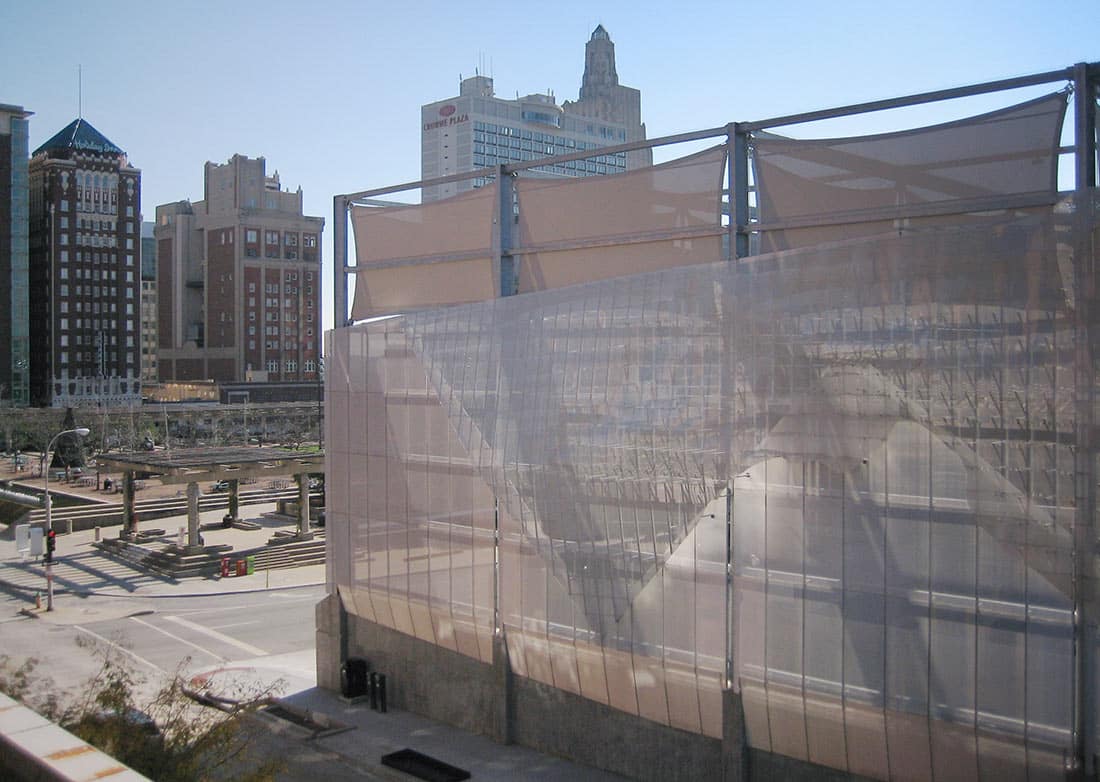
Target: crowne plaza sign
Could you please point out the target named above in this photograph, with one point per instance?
(448, 116)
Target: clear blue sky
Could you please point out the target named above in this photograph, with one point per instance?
(330, 92)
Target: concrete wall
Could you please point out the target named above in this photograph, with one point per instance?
(488, 699)
(560, 723)
(33, 749)
(430, 680)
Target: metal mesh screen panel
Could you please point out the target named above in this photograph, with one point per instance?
(889, 425)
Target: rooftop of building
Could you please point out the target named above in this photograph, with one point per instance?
(10, 108)
(81, 136)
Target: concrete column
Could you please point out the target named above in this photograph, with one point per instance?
(303, 504)
(735, 751)
(128, 505)
(193, 515)
(235, 499)
(502, 728)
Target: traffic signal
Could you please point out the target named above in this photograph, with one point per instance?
(51, 544)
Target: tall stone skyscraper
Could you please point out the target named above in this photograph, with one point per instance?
(85, 231)
(476, 129)
(601, 95)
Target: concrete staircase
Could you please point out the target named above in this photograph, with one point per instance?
(293, 553)
(171, 562)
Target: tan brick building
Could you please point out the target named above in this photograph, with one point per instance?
(239, 280)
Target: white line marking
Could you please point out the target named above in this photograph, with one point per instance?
(181, 640)
(122, 649)
(234, 624)
(225, 610)
(225, 639)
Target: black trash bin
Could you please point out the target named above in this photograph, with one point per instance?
(354, 677)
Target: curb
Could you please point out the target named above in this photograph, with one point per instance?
(137, 593)
(37, 613)
(243, 591)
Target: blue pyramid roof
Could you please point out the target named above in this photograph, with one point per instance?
(80, 135)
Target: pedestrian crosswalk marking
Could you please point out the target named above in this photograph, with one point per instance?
(226, 639)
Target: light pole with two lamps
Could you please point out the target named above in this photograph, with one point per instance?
(80, 431)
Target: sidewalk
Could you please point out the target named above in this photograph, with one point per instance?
(346, 740)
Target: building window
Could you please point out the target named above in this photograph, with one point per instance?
(273, 365)
(251, 236)
(291, 366)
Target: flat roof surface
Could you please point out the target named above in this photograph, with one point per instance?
(226, 462)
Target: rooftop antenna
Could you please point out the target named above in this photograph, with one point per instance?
(79, 92)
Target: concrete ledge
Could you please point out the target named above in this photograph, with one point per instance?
(33, 749)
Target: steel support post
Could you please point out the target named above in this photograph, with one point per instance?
(739, 194)
(1085, 456)
(49, 528)
(729, 586)
(339, 261)
(507, 271)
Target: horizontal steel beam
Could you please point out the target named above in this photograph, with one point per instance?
(1065, 74)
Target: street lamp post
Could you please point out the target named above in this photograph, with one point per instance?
(80, 431)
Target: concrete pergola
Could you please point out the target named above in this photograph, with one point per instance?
(194, 465)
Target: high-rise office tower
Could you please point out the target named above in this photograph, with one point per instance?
(85, 224)
(14, 279)
(476, 129)
(239, 280)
